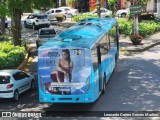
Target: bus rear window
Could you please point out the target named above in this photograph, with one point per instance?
(42, 17)
(4, 79)
(47, 32)
(52, 57)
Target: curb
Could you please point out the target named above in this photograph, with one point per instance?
(63, 24)
(22, 65)
(141, 50)
(25, 61)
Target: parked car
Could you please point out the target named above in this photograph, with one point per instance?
(71, 11)
(44, 35)
(104, 12)
(52, 13)
(122, 13)
(37, 21)
(14, 82)
(6, 22)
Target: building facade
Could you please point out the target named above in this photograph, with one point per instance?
(151, 5)
(90, 5)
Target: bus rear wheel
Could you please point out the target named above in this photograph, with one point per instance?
(104, 84)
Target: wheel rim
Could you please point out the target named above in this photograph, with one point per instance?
(123, 15)
(33, 27)
(64, 17)
(69, 15)
(16, 95)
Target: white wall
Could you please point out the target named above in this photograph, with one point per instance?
(158, 8)
(150, 6)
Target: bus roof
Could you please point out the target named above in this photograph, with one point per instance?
(83, 34)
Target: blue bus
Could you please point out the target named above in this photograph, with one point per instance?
(75, 66)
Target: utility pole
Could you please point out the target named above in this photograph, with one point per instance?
(136, 29)
(98, 8)
(158, 8)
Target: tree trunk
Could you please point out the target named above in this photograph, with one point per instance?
(98, 8)
(2, 24)
(16, 27)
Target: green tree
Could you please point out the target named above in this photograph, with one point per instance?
(70, 2)
(142, 3)
(112, 6)
(3, 13)
(98, 8)
(16, 9)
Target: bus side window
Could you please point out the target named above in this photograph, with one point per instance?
(104, 45)
(95, 58)
(112, 35)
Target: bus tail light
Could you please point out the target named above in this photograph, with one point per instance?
(88, 84)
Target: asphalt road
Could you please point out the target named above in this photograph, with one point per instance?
(134, 86)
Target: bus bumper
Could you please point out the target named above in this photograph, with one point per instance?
(85, 98)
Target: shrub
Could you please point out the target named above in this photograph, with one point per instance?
(10, 56)
(60, 18)
(145, 27)
(80, 17)
(126, 27)
(148, 28)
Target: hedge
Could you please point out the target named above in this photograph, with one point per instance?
(80, 17)
(10, 56)
(145, 27)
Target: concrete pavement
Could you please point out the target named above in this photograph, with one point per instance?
(147, 43)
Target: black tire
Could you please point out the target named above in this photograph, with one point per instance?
(16, 95)
(64, 17)
(34, 26)
(32, 87)
(48, 26)
(25, 24)
(6, 25)
(104, 84)
(70, 15)
(116, 58)
(37, 45)
(123, 15)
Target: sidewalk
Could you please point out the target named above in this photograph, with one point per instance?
(147, 43)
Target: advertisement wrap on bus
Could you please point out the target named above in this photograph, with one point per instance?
(75, 66)
(64, 71)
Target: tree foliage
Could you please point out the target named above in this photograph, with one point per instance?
(112, 5)
(70, 2)
(3, 9)
(142, 2)
(16, 9)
